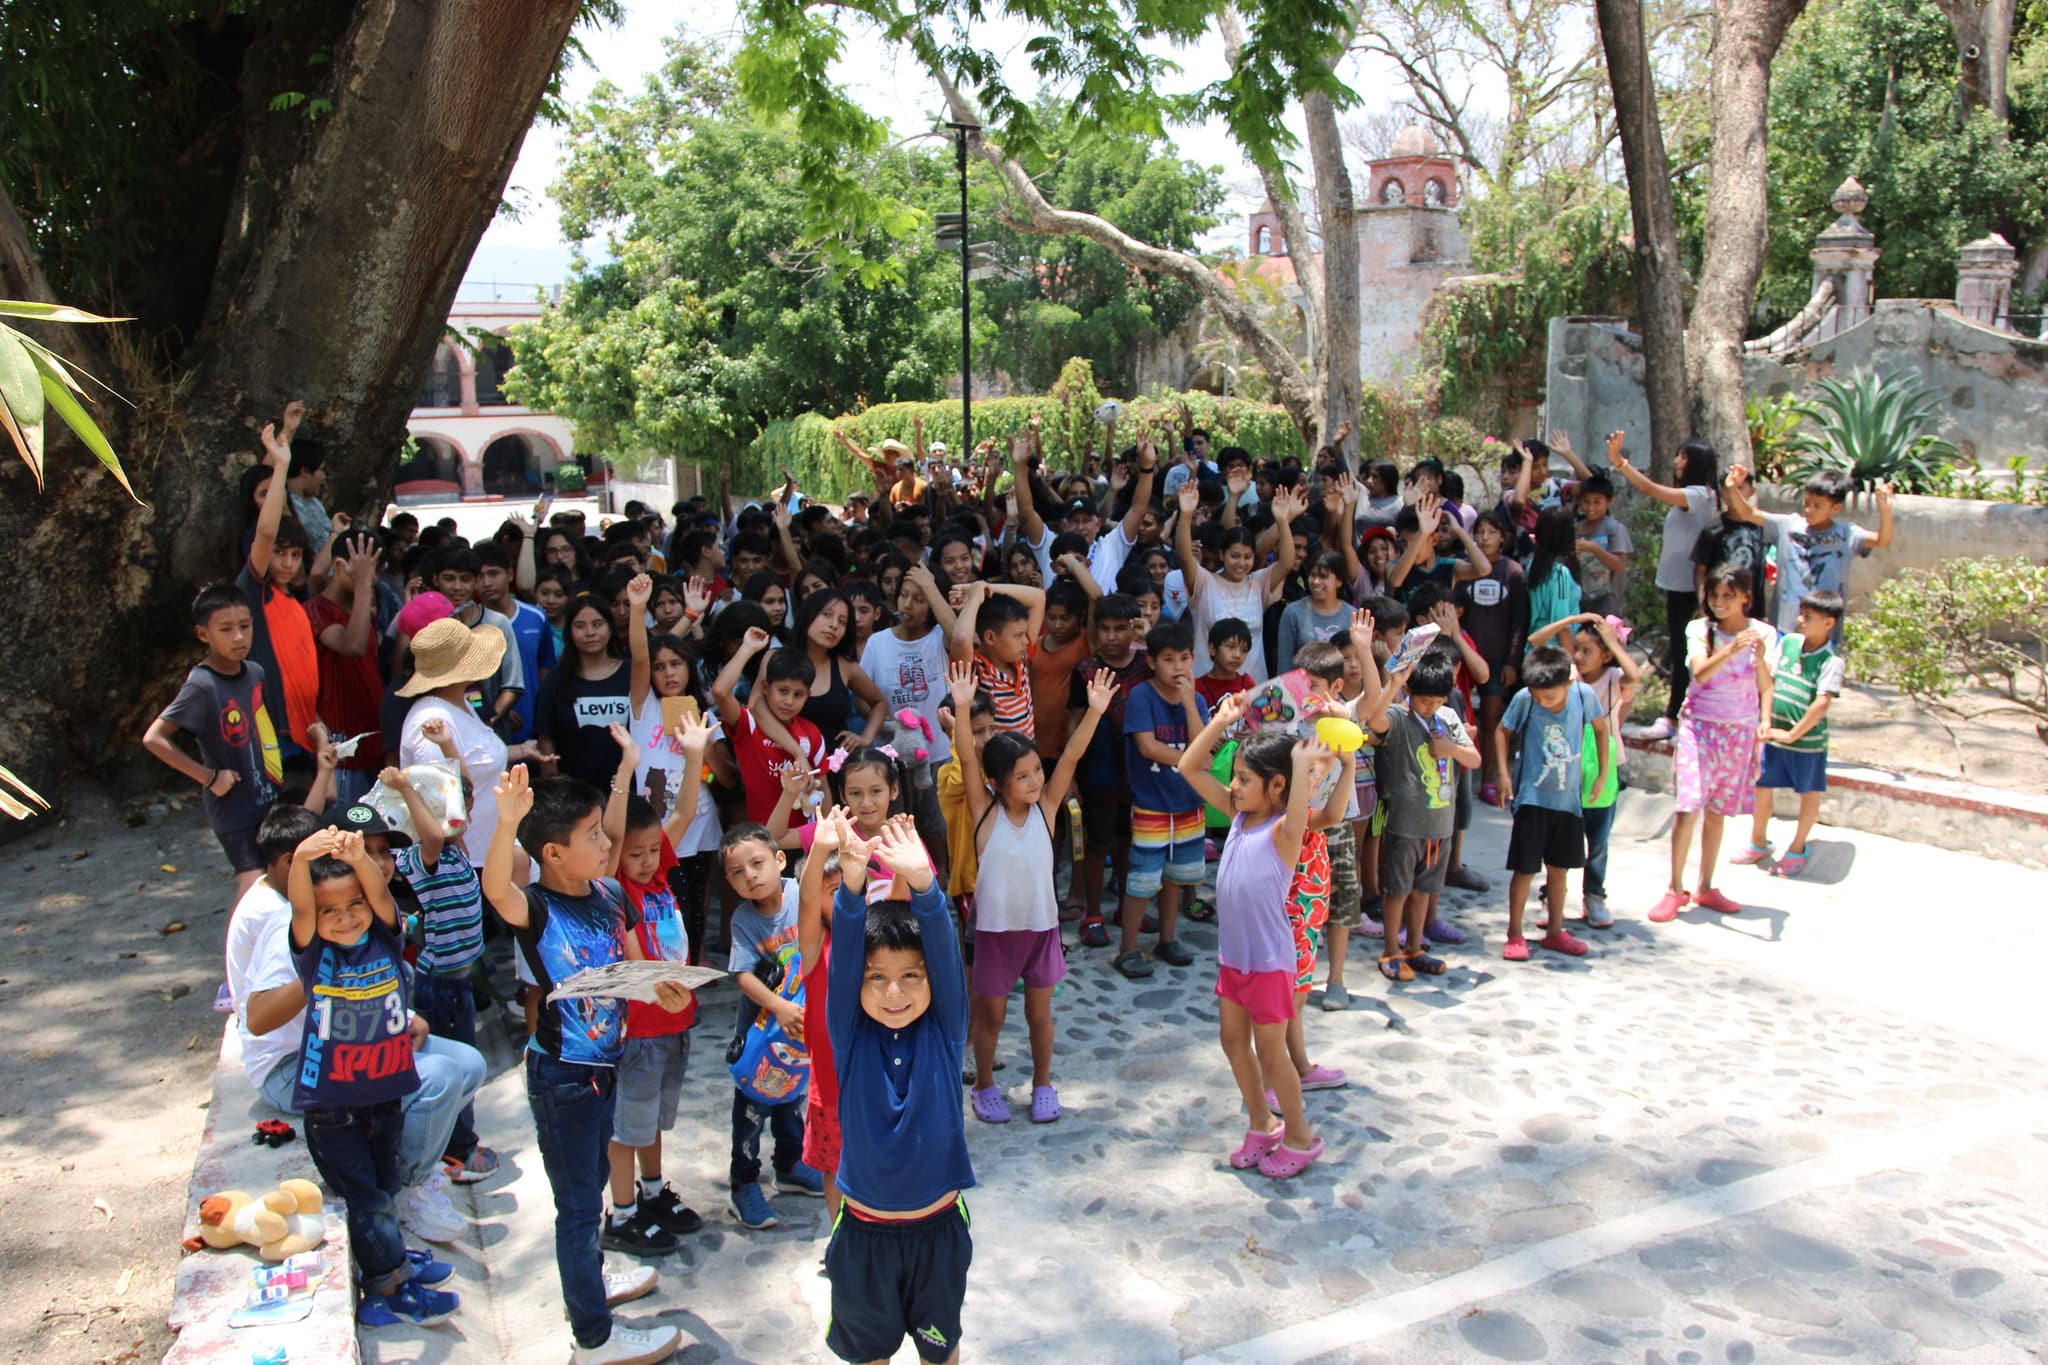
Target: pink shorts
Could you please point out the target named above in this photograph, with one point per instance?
(1268, 997)
(821, 1137)
(1003, 957)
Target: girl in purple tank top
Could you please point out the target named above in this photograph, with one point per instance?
(1269, 797)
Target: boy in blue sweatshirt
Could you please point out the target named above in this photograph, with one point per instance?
(897, 1016)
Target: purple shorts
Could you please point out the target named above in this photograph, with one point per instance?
(1003, 956)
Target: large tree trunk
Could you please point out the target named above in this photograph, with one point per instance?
(1290, 387)
(1983, 33)
(346, 238)
(1336, 363)
(1659, 278)
(1746, 38)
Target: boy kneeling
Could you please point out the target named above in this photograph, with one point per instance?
(897, 1015)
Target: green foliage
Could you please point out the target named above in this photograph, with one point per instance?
(1773, 434)
(1876, 429)
(805, 447)
(1867, 88)
(1064, 296)
(1554, 250)
(1966, 477)
(1984, 620)
(1223, 356)
(1105, 57)
(717, 314)
(1459, 444)
(35, 382)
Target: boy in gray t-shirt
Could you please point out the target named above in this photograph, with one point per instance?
(1421, 741)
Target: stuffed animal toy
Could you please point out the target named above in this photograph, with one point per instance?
(282, 1223)
(440, 789)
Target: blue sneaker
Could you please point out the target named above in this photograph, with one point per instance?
(750, 1206)
(426, 1271)
(412, 1302)
(801, 1179)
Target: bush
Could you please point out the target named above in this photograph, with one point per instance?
(804, 444)
(1984, 620)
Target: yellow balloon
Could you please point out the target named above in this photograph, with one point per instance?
(1340, 734)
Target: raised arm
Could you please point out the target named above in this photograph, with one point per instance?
(696, 742)
(353, 638)
(1739, 505)
(1141, 488)
(621, 792)
(278, 455)
(810, 896)
(424, 822)
(641, 669)
(1648, 486)
(960, 687)
(1190, 497)
(1201, 751)
(1475, 563)
(526, 570)
(729, 707)
(1288, 833)
(515, 799)
(1884, 518)
(321, 843)
(1288, 503)
(942, 610)
(1030, 524)
(960, 641)
(1429, 512)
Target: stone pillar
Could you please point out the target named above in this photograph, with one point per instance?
(1984, 273)
(1846, 253)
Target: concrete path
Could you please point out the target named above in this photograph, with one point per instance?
(1815, 1129)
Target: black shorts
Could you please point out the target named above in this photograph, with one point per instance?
(890, 1279)
(1105, 820)
(1546, 838)
(240, 846)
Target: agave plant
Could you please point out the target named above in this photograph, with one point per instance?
(1874, 428)
(35, 382)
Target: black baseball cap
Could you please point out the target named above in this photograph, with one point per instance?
(361, 817)
(1079, 507)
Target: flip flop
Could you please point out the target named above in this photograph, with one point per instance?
(1427, 965)
(1045, 1104)
(1072, 911)
(1395, 968)
(1255, 1146)
(1284, 1163)
(990, 1106)
(1198, 911)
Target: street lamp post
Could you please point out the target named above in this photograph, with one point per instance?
(960, 132)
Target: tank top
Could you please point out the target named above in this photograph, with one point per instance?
(1729, 695)
(1013, 892)
(830, 708)
(1252, 933)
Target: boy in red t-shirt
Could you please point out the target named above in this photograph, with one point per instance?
(1230, 643)
(344, 619)
(769, 734)
(649, 1219)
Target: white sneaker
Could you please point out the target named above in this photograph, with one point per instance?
(425, 1212)
(623, 1284)
(1658, 729)
(632, 1346)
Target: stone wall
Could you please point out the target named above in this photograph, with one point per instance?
(1405, 253)
(1992, 385)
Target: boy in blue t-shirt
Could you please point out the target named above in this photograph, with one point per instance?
(574, 918)
(1167, 833)
(1545, 787)
(355, 1065)
(897, 1018)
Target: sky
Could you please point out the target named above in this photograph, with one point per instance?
(518, 254)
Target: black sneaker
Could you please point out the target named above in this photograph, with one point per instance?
(1170, 951)
(639, 1235)
(669, 1212)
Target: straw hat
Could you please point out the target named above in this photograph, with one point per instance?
(446, 652)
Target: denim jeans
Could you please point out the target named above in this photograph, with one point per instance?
(450, 1075)
(449, 1006)
(352, 785)
(356, 1153)
(1599, 824)
(785, 1121)
(572, 1113)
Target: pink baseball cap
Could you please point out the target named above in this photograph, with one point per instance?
(422, 612)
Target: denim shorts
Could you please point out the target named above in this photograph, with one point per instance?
(650, 1085)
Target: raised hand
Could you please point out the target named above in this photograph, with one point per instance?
(321, 843)
(1361, 627)
(1614, 443)
(1237, 480)
(1884, 496)
(394, 778)
(1307, 754)
(276, 453)
(1288, 503)
(1229, 710)
(363, 565)
(514, 796)
(1101, 690)
(1190, 497)
(960, 685)
(435, 731)
(1147, 453)
(900, 850)
(695, 736)
(755, 639)
(629, 752)
(1429, 513)
(640, 590)
(1559, 441)
(696, 594)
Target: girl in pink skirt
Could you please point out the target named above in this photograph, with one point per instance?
(1715, 764)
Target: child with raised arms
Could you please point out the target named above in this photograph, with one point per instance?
(1269, 795)
(1017, 913)
(1604, 666)
(897, 1018)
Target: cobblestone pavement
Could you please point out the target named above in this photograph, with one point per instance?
(1814, 1130)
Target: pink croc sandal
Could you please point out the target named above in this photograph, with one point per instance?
(1255, 1148)
(1284, 1163)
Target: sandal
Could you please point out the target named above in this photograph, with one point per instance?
(1045, 1104)
(1255, 1146)
(1133, 965)
(990, 1106)
(1395, 968)
(1427, 965)
(1284, 1163)
(1198, 912)
(1072, 911)
(1790, 864)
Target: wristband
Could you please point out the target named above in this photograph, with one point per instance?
(693, 615)
(211, 778)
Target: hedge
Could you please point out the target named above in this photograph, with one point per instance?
(804, 444)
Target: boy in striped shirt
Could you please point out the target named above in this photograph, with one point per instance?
(451, 898)
(1806, 678)
(994, 631)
